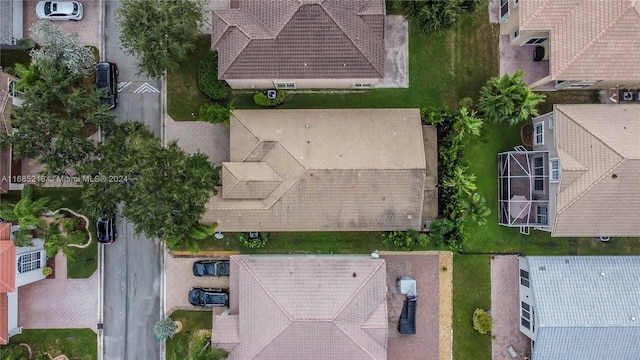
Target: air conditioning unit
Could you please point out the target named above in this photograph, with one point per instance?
(627, 96)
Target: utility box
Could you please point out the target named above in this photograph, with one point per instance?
(407, 286)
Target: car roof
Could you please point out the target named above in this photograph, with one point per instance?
(62, 7)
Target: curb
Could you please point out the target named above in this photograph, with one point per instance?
(206, 253)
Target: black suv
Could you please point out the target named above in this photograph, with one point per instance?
(211, 268)
(209, 297)
(106, 229)
(107, 78)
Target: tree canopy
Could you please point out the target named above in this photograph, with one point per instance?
(160, 33)
(163, 189)
(59, 46)
(509, 99)
(55, 118)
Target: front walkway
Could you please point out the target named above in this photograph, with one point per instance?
(505, 309)
(59, 303)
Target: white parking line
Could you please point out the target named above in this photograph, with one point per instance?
(122, 85)
(146, 88)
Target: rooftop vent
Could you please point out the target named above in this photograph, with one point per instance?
(542, 268)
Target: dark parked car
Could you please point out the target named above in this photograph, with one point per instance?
(107, 78)
(106, 229)
(209, 297)
(211, 268)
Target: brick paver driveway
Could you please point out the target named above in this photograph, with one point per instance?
(179, 280)
(200, 136)
(59, 303)
(88, 28)
(505, 309)
(425, 268)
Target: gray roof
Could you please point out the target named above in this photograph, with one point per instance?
(586, 307)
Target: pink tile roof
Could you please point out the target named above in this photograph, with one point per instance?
(300, 39)
(7, 260)
(590, 39)
(599, 150)
(325, 170)
(299, 307)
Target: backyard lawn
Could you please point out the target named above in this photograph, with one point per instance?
(74, 343)
(471, 290)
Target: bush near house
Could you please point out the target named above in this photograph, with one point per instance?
(215, 113)
(208, 81)
(482, 321)
(262, 99)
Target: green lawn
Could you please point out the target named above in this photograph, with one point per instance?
(471, 290)
(85, 261)
(183, 95)
(192, 321)
(304, 243)
(76, 344)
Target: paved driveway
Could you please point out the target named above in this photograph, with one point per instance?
(433, 317)
(505, 309)
(59, 303)
(200, 136)
(396, 50)
(179, 280)
(88, 28)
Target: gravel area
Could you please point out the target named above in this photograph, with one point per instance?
(505, 309)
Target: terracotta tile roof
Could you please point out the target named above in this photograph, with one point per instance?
(590, 39)
(319, 307)
(300, 39)
(4, 318)
(332, 170)
(7, 260)
(599, 190)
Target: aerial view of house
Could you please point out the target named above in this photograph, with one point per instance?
(571, 44)
(316, 179)
(300, 44)
(581, 179)
(284, 305)
(582, 307)
(331, 170)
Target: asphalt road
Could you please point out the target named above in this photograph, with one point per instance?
(133, 264)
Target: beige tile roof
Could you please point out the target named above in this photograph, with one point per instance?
(339, 170)
(299, 307)
(300, 39)
(590, 39)
(602, 196)
(248, 180)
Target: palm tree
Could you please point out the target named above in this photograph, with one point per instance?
(466, 123)
(463, 182)
(26, 213)
(475, 209)
(508, 98)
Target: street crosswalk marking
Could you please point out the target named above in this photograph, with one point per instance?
(145, 88)
(122, 85)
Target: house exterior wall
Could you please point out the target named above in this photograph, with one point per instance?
(12, 320)
(526, 298)
(509, 23)
(35, 274)
(299, 83)
(548, 125)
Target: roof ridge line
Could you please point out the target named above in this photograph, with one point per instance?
(591, 186)
(536, 12)
(381, 72)
(354, 340)
(293, 181)
(228, 31)
(276, 302)
(594, 40)
(357, 291)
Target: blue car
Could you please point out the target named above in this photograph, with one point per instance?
(209, 297)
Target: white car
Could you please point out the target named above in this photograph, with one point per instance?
(59, 10)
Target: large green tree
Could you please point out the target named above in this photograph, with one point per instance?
(163, 189)
(56, 116)
(433, 15)
(509, 99)
(59, 46)
(160, 33)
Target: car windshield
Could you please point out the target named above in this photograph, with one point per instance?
(220, 268)
(213, 298)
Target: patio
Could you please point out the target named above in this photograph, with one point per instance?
(513, 57)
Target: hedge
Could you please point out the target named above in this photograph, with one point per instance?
(208, 78)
